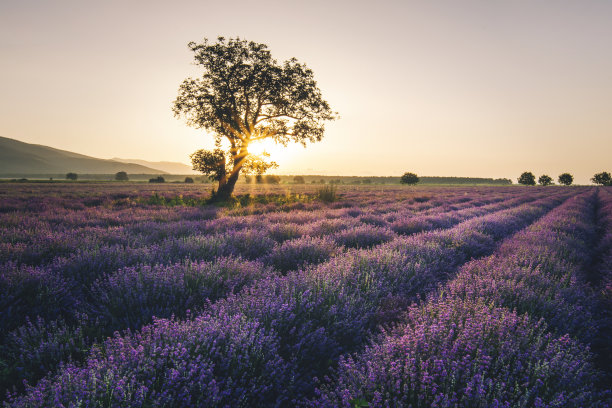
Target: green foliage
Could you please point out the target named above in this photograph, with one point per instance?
(545, 180)
(527, 179)
(188, 180)
(158, 179)
(409, 178)
(210, 163)
(566, 179)
(602, 178)
(327, 194)
(72, 176)
(272, 179)
(121, 176)
(243, 96)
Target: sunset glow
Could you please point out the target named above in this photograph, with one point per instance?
(471, 88)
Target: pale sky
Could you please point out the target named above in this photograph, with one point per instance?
(449, 88)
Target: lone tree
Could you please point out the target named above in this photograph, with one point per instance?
(244, 96)
(602, 178)
(566, 179)
(72, 176)
(121, 176)
(545, 180)
(527, 179)
(299, 180)
(409, 178)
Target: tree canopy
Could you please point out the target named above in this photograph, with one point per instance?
(602, 178)
(566, 179)
(409, 178)
(121, 176)
(527, 179)
(545, 180)
(244, 96)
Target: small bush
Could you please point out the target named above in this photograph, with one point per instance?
(121, 176)
(327, 194)
(298, 253)
(188, 180)
(272, 179)
(409, 178)
(72, 176)
(158, 179)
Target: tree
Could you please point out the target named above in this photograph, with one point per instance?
(409, 178)
(188, 180)
(245, 96)
(527, 179)
(72, 176)
(121, 176)
(158, 179)
(602, 178)
(272, 179)
(566, 179)
(299, 180)
(545, 180)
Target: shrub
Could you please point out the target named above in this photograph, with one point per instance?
(298, 253)
(299, 180)
(545, 180)
(36, 348)
(465, 354)
(188, 180)
(72, 176)
(272, 179)
(121, 176)
(158, 179)
(209, 362)
(364, 236)
(527, 179)
(130, 297)
(409, 178)
(327, 194)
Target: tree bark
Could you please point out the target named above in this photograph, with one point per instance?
(227, 187)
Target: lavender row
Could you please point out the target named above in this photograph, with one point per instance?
(130, 296)
(33, 240)
(64, 286)
(279, 333)
(473, 346)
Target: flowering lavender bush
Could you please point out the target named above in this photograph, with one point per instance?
(504, 288)
(456, 353)
(132, 296)
(298, 253)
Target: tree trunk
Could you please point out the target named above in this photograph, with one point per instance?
(227, 188)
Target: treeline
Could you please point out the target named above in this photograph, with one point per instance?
(269, 179)
(309, 179)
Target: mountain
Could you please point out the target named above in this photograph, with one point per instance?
(168, 167)
(21, 159)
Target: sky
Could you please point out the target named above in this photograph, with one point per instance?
(439, 88)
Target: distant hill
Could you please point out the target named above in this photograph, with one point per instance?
(166, 166)
(21, 159)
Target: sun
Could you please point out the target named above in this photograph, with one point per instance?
(275, 150)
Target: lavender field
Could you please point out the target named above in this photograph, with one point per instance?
(127, 295)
